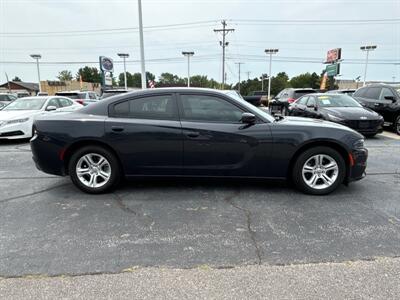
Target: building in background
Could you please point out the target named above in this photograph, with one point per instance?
(353, 84)
(20, 86)
(53, 86)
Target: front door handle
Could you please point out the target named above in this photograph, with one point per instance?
(117, 128)
(193, 134)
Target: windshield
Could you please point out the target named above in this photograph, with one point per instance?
(72, 95)
(26, 104)
(337, 100)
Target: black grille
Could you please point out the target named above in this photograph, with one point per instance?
(11, 133)
(363, 124)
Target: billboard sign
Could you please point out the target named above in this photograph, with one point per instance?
(333, 69)
(334, 55)
(106, 64)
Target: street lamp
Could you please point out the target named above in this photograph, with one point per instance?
(142, 66)
(270, 52)
(367, 49)
(37, 57)
(124, 57)
(188, 54)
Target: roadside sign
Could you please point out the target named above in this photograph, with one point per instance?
(333, 69)
(333, 55)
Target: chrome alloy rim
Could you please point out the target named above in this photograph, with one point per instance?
(320, 171)
(93, 170)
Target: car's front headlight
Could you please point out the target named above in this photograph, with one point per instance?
(334, 118)
(17, 121)
(359, 144)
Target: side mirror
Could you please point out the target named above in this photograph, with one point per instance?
(248, 118)
(51, 108)
(390, 98)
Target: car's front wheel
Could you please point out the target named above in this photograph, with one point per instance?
(94, 169)
(319, 171)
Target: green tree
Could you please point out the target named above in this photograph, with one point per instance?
(16, 78)
(278, 83)
(306, 80)
(64, 75)
(89, 74)
(134, 80)
(169, 79)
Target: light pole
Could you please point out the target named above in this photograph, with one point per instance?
(367, 49)
(143, 68)
(37, 57)
(270, 52)
(124, 57)
(188, 54)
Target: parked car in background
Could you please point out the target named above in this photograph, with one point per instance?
(349, 92)
(280, 103)
(257, 98)
(82, 97)
(23, 94)
(338, 108)
(42, 94)
(16, 119)
(384, 99)
(6, 98)
(112, 92)
(194, 133)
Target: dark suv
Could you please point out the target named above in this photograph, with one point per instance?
(281, 102)
(384, 99)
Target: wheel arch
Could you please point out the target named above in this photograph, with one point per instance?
(84, 143)
(317, 143)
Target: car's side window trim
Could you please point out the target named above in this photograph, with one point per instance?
(175, 117)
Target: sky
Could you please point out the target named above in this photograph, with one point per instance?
(70, 34)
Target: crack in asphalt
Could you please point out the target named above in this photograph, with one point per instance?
(229, 199)
(33, 193)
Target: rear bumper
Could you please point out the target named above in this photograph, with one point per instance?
(47, 156)
(357, 170)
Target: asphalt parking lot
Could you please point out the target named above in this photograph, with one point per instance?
(48, 227)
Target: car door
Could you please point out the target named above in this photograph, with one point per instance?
(311, 110)
(217, 143)
(147, 134)
(298, 108)
(387, 104)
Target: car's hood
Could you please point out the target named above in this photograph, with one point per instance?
(351, 113)
(299, 121)
(16, 114)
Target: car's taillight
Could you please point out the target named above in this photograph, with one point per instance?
(291, 100)
(80, 101)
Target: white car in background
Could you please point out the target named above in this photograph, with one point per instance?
(16, 119)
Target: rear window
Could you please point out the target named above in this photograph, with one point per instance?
(298, 94)
(73, 95)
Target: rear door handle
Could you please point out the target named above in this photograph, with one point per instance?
(117, 128)
(192, 134)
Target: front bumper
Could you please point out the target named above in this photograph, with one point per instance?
(16, 131)
(357, 169)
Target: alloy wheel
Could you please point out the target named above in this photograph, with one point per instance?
(320, 171)
(93, 170)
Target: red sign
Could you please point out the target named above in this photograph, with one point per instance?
(334, 55)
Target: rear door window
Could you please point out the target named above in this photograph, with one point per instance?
(64, 102)
(373, 93)
(162, 107)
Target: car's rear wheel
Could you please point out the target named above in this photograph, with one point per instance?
(397, 125)
(94, 169)
(319, 171)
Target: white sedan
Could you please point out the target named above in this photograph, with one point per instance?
(16, 119)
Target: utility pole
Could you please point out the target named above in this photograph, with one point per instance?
(263, 76)
(270, 52)
(223, 44)
(239, 64)
(37, 57)
(188, 55)
(144, 84)
(367, 49)
(248, 75)
(124, 57)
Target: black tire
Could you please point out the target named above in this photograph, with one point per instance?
(396, 125)
(297, 172)
(115, 169)
(370, 135)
